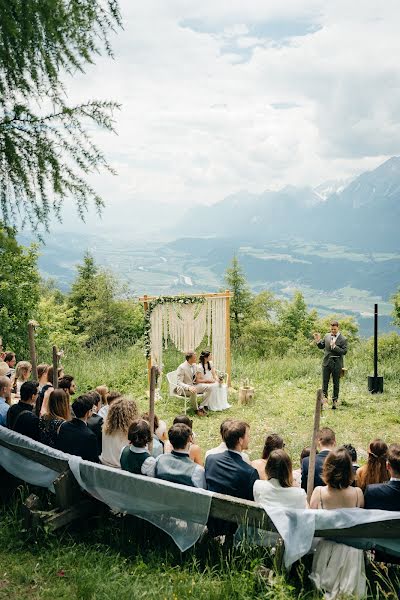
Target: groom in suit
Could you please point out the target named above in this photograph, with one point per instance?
(187, 386)
(334, 345)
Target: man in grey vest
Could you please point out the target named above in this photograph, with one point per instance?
(334, 345)
(177, 466)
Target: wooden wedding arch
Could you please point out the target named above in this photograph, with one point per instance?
(150, 303)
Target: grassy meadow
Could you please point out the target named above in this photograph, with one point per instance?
(284, 401)
(108, 557)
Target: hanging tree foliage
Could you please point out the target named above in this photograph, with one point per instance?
(45, 151)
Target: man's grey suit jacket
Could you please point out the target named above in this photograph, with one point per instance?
(338, 352)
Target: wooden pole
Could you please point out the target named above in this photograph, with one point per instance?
(228, 336)
(55, 367)
(311, 464)
(145, 307)
(153, 382)
(32, 349)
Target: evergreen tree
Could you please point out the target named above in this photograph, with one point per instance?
(82, 292)
(19, 291)
(45, 151)
(295, 320)
(240, 305)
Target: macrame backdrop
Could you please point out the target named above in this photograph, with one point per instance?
(186, 325)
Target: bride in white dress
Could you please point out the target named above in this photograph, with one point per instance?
(205, 373)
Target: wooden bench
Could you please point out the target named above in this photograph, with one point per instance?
(72, 504)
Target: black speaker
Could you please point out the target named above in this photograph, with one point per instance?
(375, 384)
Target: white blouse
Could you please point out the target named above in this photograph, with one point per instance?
(271, 492)
(112, 446)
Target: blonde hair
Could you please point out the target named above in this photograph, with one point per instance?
(120, 416)
(23, 367)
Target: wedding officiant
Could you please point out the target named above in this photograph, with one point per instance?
(334, 345)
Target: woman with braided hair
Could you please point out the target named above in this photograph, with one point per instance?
(374, 470)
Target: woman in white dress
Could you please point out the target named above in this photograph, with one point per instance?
(206, 374)
(277, 489)
(338, 569)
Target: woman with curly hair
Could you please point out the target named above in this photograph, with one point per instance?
(119, 418)
(57, 411)
(374, 471)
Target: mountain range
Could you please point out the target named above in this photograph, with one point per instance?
(338, 243)
(365, 214)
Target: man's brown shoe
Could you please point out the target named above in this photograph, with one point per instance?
(200, 412)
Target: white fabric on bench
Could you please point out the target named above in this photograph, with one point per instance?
(297, 527)
(24, 468)
(179, 510)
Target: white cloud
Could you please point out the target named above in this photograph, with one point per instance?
(222, 96)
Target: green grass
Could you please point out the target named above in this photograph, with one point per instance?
(284, 400)
(110, 557)
(121, 558)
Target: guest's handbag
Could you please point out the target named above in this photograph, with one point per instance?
(343, 372)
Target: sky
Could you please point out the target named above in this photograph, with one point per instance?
(220, 96)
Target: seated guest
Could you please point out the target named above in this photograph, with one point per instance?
(44, 394)
(58, 411)
(136, 458)
(42, 375)
(21, 416)
(22, 373)
(67, 383)
(277, 489)
(326, 442)
(120, 417)
(227, 472)
(103, 391)
(386, 496)
(3, 369)
(5, 398)
(273, 441)
(194, 449)
(297, 472)
(222, 447)
(10, 360)
(176, 466)
(111, 398)
(161, 431)
(375, 470)
(353, 455)
(75, 437)
(95, 422)
(338, 569)
(158, 445)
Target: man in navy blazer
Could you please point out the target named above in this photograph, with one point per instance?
(326, 442)
(75, 437)
(227, 472)
(386, 496)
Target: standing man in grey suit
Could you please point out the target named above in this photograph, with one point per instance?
(334, 345)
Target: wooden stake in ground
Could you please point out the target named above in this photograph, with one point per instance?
(55, 366)
(311, 464)
(32, 348)
(153, 382)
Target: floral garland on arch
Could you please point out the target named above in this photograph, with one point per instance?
(162, 300)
